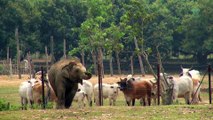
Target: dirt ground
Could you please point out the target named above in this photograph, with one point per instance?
(14, 81)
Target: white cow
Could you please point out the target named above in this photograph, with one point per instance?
(109, 91)
(80, 96)
(84, 91)
(183, 87)
(25, 92)
(87, 87)
(196, 77)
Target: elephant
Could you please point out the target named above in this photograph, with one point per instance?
(64, 77)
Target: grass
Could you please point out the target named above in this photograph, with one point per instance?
(9, 92)
(184, 112)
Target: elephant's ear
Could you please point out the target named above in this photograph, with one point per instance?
(70, 65)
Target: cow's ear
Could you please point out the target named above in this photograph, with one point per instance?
(181, 74)
(153, 82)
(171, 77)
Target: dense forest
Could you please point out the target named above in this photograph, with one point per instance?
(121, 28)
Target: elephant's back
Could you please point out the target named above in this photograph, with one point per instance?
(62, 63)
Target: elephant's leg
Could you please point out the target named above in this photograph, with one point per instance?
(61, 97)
(69, 97)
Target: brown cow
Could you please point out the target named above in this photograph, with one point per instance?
(37, 92)
(136, 90)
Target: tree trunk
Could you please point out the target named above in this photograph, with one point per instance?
(52, 50)
(47, 60)
(132, 65)
(94, 62)
(29, 64)
(8, 54)
(139, 58)
(82, 57)
(149, 65)
(118, 62)
(11, 69)
(99, 64)
(8, 60)
(110, 65)
(102, 63)
(65, 55)
(18, 53)
(167, 91)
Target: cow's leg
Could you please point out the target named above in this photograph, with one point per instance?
(128, 102)
(25, 103)
(114, 102)
(144, 101)
(110, 101)
(97, 101)
(187, 98)
(199, 98)
(22, 103)
(133, 102)
(155, 100)
(149, 98)
(141, 101)
(31, 103)
(89, 99)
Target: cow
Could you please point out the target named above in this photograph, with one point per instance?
(87, 87)
(85, 91)
(183, 86)
(79, 97)
(109, 91)
(25, 92)
(136, 90)
(48, 92)
(195, 75)
(153, 82)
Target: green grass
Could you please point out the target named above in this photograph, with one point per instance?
(184, 112)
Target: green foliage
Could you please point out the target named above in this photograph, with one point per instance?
(4, 105)
(173, 25)
(1, 69)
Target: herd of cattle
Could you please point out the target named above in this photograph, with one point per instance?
(186, 86)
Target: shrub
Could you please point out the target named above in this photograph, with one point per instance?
(4, 105)
(1, 69)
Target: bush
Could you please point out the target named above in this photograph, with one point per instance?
(1, 69)
(4, 105)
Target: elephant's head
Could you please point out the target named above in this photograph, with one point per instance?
(76, 72)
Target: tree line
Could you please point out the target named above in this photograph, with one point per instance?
(118, 29)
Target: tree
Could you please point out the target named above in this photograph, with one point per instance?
(197, 28)
(113, 44)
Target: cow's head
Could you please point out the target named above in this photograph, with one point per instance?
(34, 82)
(185, 71)
(114, 88)
(122, 83)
